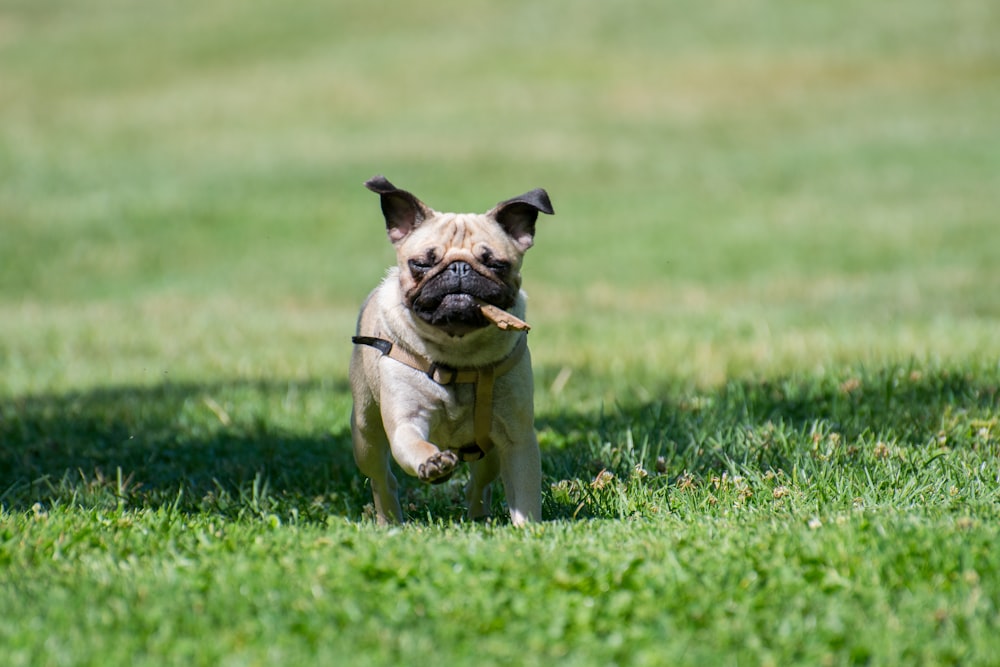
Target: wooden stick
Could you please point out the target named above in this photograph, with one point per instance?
(501, 318)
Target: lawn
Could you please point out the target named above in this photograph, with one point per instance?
(764, 326)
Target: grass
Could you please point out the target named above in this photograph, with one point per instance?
(764, 331)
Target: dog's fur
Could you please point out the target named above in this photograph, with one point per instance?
(447, 264)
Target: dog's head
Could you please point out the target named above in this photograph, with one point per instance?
(451, 262)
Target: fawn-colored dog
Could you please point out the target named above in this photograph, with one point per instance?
(441, 371)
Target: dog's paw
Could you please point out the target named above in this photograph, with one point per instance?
(438, 468)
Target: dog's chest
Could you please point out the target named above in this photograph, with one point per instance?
(452, 420)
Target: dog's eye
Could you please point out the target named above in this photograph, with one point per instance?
(421, 265)
(498, 265)
(495, 264)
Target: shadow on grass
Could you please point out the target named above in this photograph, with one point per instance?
(172, 446)
(813, 425)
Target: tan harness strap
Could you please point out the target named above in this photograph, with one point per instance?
(484, 377)
(482, 411)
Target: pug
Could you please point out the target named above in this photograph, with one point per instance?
(440, 371)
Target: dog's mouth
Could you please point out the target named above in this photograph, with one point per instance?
(452, 300)
(456, 314)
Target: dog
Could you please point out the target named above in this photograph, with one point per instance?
(440, 371)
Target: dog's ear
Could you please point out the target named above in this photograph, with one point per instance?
(517, 216)
(403, 212)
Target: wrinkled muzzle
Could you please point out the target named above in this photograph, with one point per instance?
(448, 298)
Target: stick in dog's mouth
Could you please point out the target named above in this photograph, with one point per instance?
(501, 318)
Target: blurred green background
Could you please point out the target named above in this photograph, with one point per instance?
(741, 187)
(768, 305)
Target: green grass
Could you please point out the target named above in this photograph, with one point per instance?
(764, 320)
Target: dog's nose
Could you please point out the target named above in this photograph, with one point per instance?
(460, 269)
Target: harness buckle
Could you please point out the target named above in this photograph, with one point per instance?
(442, 374)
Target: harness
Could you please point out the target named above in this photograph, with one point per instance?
(482, 377)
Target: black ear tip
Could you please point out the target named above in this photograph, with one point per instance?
(537, 201)
(380, 184)
(543, 201)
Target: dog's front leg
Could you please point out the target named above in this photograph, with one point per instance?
(521, 471)
(371, 452)
(408, 430)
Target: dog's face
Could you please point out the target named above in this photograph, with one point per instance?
(450, 263)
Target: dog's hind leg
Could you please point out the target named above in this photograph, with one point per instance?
(479, 490)
(521, 470)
